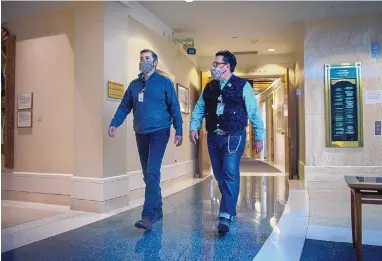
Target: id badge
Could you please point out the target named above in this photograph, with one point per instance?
(220, 109)
(140, 97)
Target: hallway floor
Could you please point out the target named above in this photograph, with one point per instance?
(188, 231)
(13, 214)
(272, 225)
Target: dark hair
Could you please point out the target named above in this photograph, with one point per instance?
(154, 55)
(228, 57)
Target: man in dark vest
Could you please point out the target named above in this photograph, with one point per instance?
(227, 102)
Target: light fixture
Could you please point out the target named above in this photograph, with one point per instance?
(271, 50)
(189, 1)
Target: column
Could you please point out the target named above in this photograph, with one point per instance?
(99, 183)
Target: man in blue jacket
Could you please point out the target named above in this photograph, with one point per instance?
(155, 106)
(227, 102)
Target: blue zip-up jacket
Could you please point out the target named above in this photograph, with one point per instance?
(159, 109)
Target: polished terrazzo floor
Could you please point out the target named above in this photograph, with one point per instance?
(188, 231)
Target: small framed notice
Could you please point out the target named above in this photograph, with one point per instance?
(25, 101)
(24, 119)
(184, 98)
(115, 90)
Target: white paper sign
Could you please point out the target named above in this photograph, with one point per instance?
(24, 101)
(373, 97)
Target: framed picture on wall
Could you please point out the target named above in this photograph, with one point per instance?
(184, 98)
(24, 101)
(24, 119)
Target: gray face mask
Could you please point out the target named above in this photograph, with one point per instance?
(216, 73)
(146, 66)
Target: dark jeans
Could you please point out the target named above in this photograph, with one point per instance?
(151, 148)
(225, 153)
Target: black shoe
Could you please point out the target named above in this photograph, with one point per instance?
(144, 223)
(223, 226)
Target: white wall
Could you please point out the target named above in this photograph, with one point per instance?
(340, 41)
(45, 66)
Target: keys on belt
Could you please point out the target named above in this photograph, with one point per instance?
(221, 133)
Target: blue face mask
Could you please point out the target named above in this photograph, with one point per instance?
(216, 72)
(146, 66)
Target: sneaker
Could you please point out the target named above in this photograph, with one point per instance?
(144, 223)
(224, 225)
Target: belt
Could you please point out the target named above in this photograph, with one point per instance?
(223, 133)
(220, 133)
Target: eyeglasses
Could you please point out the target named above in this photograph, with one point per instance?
(216, 64)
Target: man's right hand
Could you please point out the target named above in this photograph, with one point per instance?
(194, 136)
(112, 130)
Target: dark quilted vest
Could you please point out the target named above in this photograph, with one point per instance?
(235, 116)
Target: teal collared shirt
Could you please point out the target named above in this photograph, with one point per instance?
(251, 106)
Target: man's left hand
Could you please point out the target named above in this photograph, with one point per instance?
(178, 140)
(258, 146)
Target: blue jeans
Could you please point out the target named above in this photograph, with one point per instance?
(225, 154)
(151, 148)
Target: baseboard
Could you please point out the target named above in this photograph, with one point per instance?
(347, 170)
(140, 192)
(301, 170)
(30, 182)
(96, 206)
(329, 194)
(168, 172)
(35, 197)
(99, 194)
(99, 189)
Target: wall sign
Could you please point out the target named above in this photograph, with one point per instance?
(373, 97)
(24, 101)
(184, 98)
(375, 50)
(343, 105)
(24, 119)
(115, 90)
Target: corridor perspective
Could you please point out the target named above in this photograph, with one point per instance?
(96, 93)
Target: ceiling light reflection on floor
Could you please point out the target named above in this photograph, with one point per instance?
(273, 223)
(258, 206)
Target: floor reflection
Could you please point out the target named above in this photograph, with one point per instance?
(188, 231)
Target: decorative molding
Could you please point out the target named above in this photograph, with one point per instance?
(348, 170)
(168, 172)
(88, 188)
(301, 170)
(45, 183)
(99, 189)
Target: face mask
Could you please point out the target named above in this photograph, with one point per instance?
(146, 66)
(216, 72)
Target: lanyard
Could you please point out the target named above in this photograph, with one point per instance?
(143, 84)
(220, 99)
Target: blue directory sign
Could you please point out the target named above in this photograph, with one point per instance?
(375, 50)
(343, 105)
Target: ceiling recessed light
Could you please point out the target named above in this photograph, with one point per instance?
(271, 50)
(189, 1)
